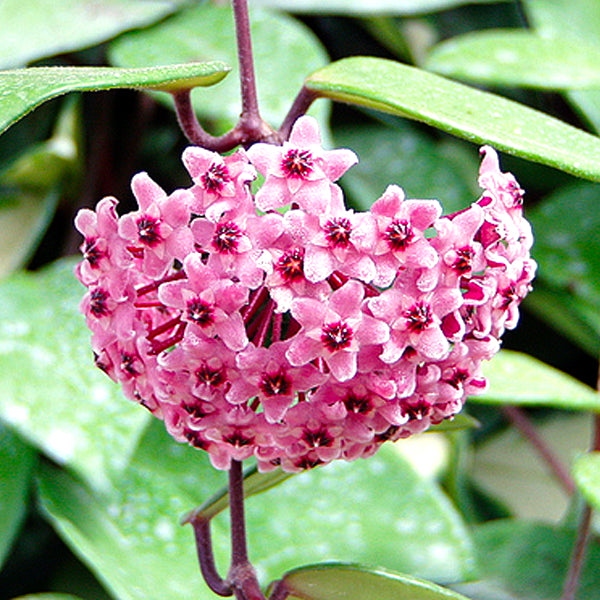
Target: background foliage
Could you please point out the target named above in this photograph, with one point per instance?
(91, 490)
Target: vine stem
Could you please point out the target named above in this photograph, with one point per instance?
(242, 576)
(522, 422)
(251, 127)
(583, 530)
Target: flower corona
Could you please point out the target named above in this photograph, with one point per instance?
(282, 325)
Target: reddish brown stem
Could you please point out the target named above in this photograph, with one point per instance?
(527, 428)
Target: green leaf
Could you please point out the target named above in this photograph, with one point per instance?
(52, 393)
(586, 471)
(530, 561)
(549, 18)
(48, 596)
(40, 28)
(508, 468)
(30, 187)
(518, 379)
(16, 465)
(353, 582)
(37, 85)
(567, 245)
(284, 52)
(360, 7)
(568, 314)
(254, 483)
(518, 58)
(130, 538)
(416, 531)
(402, 155)
(346, 511)
(478, 116)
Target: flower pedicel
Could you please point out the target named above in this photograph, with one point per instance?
(303, 336)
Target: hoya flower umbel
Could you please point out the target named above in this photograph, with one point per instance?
(280, 324)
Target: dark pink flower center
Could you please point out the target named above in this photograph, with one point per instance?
(200, 312)
(195, 410)
(418, 317)
(508, 295)
(98, 303)
(336, 336)
(128, 364)
(337, 232)
(149, 230)
(458, 377)
(399, 234)
(209, 376)
(464, 258)
(237, 439)
(417, 411)
(357, 404)
(227, 237)
(319, 438)
(291, 265)
(275, 384)
(297, 163)
(215, 178)
(91, 252)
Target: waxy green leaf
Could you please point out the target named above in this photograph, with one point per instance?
(284, 52)
(529, 561)
(130, 537)
(30, 188)
(518, 379)
(16, 465)
(52, 394)
(40, 28)
(354, 582)
(404, 156)
(478, 116)
(22, 90)
(586, 471)
(254, 483)
(510, 470)
(362, 7)
(518, 58)
(48, 596)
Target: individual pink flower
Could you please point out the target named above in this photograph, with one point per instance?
(209, 306)
(335, 330)
(415, 321)
(400, 226)
(266, 374)
(300, 171)
(158, 232)
(221, 182)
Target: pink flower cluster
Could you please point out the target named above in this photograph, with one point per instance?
(282, 325)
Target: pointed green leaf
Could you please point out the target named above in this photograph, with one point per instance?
(346, 511)
(22, 90)
(353, 582)
(52, 393)
(518, 379)
(16, 465)
(353, 512)
(254, 483)
(510, 470)
(57, 27)
(404, 156)
(587, 476)
(29, 190)
(48, 596)
(518, 58)
(478, 116)
(284, 52)
(573, 317)
(530, 561)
